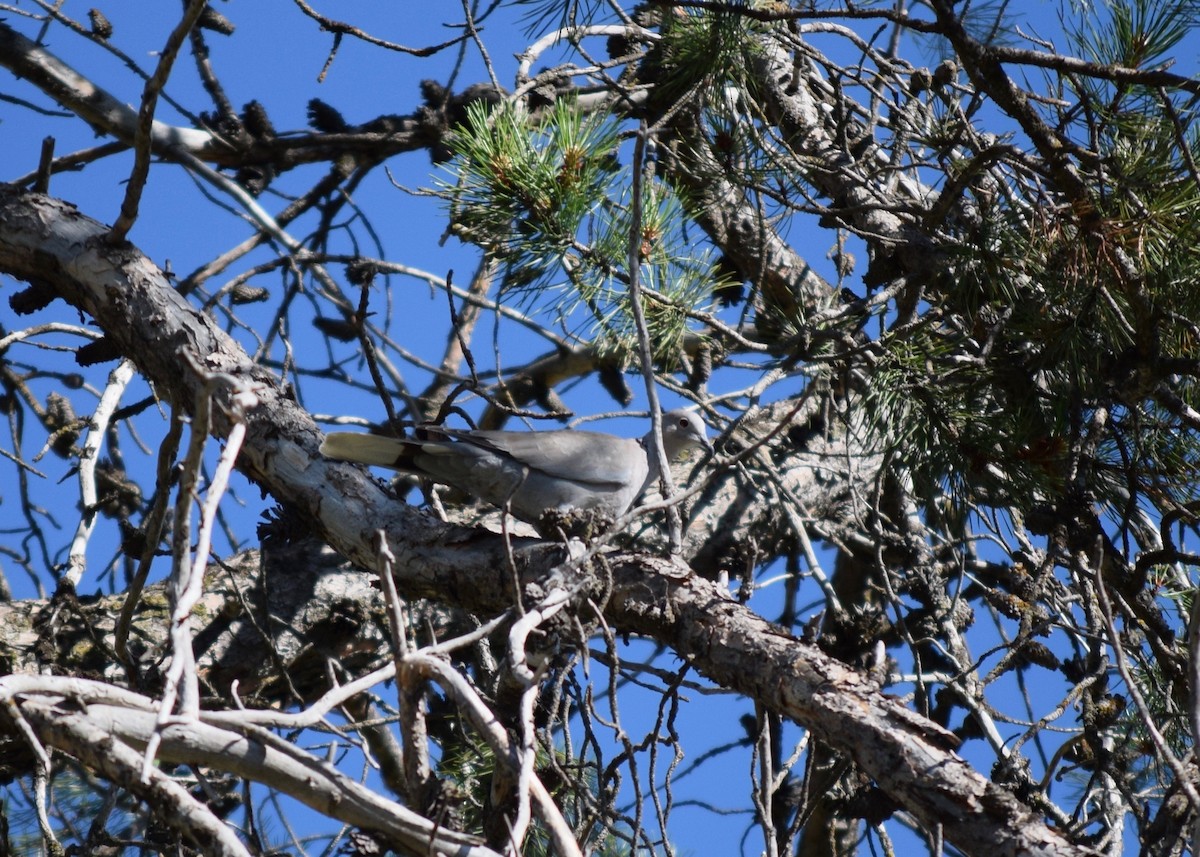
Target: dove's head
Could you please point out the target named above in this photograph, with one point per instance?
(683, 430)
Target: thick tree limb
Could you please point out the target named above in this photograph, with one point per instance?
(45, 239)
(25, 58)
(75, 716)
(110, 115)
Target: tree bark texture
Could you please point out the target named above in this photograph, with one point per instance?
(912, 759)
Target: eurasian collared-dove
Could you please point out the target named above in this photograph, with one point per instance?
(532, 472)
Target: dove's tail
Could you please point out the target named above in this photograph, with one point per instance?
(374, 449)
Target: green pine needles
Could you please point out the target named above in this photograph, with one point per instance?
(548, 196)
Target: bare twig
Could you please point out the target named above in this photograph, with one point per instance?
(646, 352)
(187, 571)
(118, 380)
(143, 133)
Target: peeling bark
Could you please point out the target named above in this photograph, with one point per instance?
(909, 757)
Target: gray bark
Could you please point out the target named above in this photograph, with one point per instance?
(911, 759)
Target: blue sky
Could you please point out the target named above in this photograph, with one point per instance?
(277, 57)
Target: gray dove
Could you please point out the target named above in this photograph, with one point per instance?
(531, 472)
